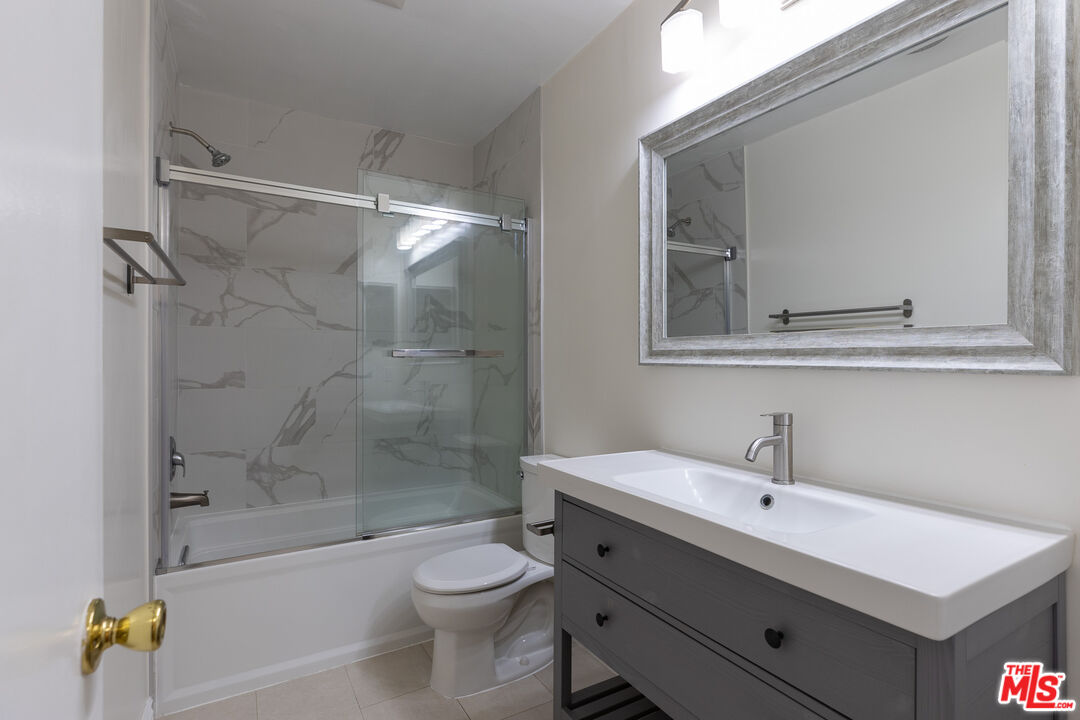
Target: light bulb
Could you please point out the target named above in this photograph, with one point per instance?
(682, 41)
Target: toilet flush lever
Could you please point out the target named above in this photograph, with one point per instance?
(541, 528)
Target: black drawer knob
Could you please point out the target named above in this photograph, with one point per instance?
(602, 549)
(601, 618)
(775, 638)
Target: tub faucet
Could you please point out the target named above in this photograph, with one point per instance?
(780, 442)
(180, 500)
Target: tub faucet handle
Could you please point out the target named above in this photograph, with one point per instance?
(176, 460)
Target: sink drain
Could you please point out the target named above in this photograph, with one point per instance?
(767, 501)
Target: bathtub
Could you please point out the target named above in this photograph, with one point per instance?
(212, 536)
(239, 625)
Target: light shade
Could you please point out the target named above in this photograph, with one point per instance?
(682, 41)
(739, 13)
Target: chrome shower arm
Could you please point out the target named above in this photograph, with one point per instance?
(191, 133)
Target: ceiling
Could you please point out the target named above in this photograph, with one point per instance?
(445, 69)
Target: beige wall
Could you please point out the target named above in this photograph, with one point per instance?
(996, 443)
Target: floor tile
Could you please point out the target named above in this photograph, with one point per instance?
(241, 707)
(540, 712)
(502, 702)
(429, 647)
(325, 696)
(423, 704)
(389, 675)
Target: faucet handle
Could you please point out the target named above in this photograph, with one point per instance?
(783, 419)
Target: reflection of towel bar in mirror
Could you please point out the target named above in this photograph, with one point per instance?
(110, 235)
(730, 253)
(785, 316)
(443, 353)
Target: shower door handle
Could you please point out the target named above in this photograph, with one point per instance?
(443, 353)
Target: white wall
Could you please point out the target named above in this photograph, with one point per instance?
(997, 443)
(902, 194)
(126, 345)
(50, 353)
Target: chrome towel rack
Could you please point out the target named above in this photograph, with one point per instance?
(443, 353)
(136, 273)
(785, 315)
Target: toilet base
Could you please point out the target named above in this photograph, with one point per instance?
(469, 662)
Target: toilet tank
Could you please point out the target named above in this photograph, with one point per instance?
(537, 505)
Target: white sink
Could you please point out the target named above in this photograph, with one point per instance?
(780, 509)
(930, 571)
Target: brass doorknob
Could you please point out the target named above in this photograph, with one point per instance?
(141, 629)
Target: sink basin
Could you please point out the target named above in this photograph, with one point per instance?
(932, 571)
(746, 502)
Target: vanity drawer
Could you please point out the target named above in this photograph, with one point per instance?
(844, 664)
(703, 683)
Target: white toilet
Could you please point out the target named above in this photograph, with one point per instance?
(491, 606)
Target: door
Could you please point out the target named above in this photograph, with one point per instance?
(441, 357)
(50, 354)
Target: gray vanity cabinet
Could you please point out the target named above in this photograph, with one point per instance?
(693, 635)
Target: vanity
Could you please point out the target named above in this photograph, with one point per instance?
(714, 593)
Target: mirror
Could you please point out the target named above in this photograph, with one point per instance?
(870, 204)
(888, 186)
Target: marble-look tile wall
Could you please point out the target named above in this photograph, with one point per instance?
(707, 206)
(267, 346)
(507, 162)
(293, 146)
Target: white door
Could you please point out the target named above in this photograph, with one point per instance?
(50, 354)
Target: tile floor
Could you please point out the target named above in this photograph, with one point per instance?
(394, 686)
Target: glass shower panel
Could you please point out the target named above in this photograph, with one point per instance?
(442, 355)
(267, 342)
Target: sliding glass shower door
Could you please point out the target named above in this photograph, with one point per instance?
(441, 358)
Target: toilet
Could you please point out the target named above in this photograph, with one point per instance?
(492, 607)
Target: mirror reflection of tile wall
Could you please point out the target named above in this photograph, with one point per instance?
(707, 206)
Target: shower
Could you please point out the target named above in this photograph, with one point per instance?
(218, 158)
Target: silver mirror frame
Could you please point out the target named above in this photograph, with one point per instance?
(1044, 202)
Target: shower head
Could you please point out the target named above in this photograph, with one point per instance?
(217, 158)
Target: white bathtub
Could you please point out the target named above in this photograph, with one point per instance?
(211, 536)
(237, 626)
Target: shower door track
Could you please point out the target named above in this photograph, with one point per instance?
(335, 197)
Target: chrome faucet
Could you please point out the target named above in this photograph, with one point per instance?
(181, 499)
(780, 442)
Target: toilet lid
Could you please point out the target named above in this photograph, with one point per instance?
(470, 569)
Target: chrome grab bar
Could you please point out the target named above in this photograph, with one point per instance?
(110, 235)
(541, 528)
(443, 353)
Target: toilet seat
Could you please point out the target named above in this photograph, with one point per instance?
(471, 569)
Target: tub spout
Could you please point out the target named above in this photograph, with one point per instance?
(180, 500)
